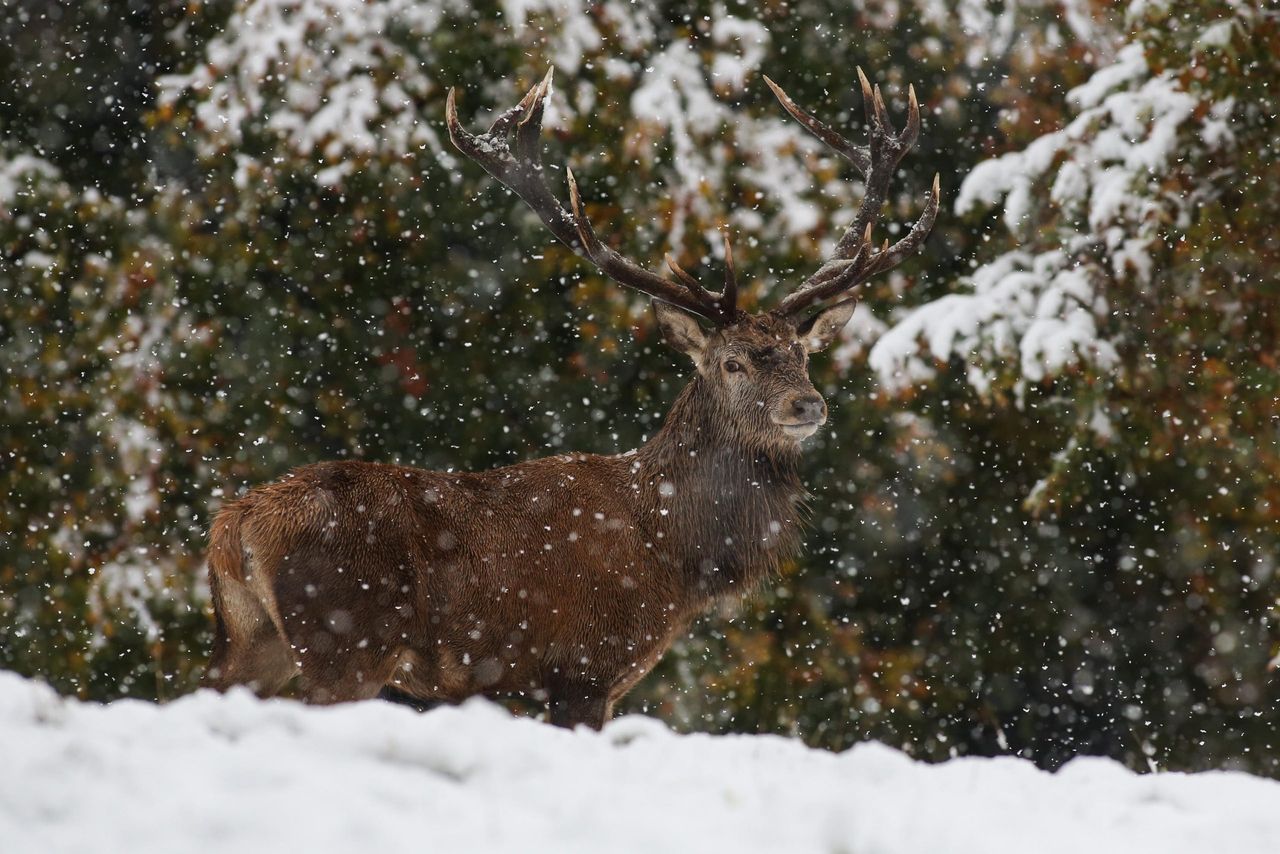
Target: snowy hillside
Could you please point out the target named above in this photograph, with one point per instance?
(210, 773)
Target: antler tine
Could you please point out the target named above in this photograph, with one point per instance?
(859, 156)
(695, 287)
(852, 272)
(729, 299)
(493, 153)
(684, 276)
(504, 121)
(502, 124)
(521, 171)
(855, 259)
(868, 98)
(912, 131)
(890, 257)
(529, 128)
(882, 112)
(457, 133)
(586, 233)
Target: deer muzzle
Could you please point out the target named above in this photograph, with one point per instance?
(802, 416)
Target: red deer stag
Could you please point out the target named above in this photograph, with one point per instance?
(566, 578)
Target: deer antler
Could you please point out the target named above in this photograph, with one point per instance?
(855, 259)
(520, 169)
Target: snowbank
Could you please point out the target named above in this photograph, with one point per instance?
(210, 773)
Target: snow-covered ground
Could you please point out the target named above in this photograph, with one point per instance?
(209, 773)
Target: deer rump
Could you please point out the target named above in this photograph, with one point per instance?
(538, 579)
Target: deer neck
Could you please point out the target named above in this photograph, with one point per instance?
(723, 511)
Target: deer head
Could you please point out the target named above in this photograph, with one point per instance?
(752, 369)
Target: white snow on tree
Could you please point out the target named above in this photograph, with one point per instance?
(318, 78)
(1086, 206)
(348, 83)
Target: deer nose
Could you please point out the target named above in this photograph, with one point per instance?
(809, 407)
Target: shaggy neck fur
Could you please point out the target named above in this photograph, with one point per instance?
(723, 506)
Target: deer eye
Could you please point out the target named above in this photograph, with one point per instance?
(733, 366)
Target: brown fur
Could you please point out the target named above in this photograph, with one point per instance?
(563, 578)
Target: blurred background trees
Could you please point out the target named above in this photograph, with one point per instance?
(235, 239)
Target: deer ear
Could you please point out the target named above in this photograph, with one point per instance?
(819, 331)
(681, 330)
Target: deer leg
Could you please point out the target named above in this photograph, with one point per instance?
(578, 701)
(336, 664)
(343, 675)
(347, 644)
(215, 671)
(247, 648)
(265, 664)
(392, 694)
